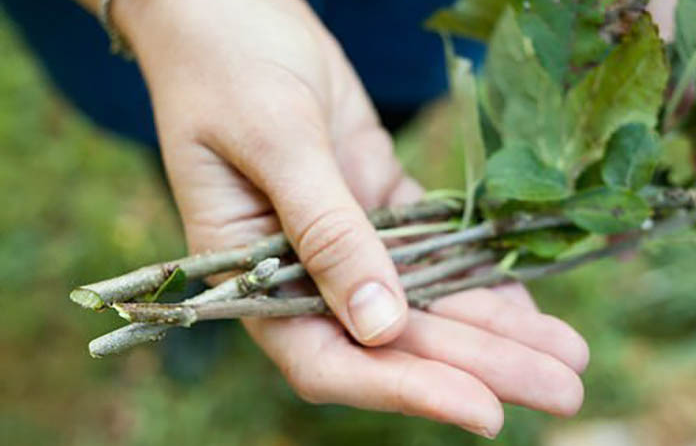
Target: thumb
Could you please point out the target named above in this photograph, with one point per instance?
(328, 229)
(340, 248)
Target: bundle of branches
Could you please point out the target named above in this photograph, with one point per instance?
(568, 138)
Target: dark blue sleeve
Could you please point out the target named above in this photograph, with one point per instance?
(400, 64)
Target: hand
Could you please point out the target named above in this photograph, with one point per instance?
(263, 126)
(663, 14)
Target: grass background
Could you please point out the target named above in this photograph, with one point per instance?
(77, 204)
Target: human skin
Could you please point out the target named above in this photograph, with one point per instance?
(265, 126)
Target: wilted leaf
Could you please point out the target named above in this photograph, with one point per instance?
(469, 140)
(607, 211)
(468, 18)
(516, 173)
(632, 155)
(627, 87)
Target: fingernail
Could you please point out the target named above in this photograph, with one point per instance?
(373, 309)
(482, 431)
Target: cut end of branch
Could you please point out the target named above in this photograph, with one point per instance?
(122, 312)
(265, 269)
(86, 298)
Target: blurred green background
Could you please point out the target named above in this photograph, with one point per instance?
(77, 205)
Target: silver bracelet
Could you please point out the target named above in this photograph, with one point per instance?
(118, 44)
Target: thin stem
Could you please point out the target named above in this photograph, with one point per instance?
(150, 278)
(140, 332)
(422, 297)
(414, 251)
(418, 230)
(260, 278)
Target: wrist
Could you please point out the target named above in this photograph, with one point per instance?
(130, 17)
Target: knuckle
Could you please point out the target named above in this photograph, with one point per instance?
(571, 348)
(302, 383)
(329, 240)
(403, 390)
(574, 397)
(306, 390)
(566, 387)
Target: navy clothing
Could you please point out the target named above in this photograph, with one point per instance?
(400, 64)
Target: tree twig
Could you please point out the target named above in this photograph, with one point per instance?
(177, 314)
(421, 298)
(149, 278)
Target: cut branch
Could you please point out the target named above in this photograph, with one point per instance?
(150, 278)
(421, 298)
(162, 317)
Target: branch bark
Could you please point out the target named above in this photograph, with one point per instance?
(149, 278)
(162, 317)
(419, 297)
(128, 286)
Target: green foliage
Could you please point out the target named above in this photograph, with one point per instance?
(627, 87)
(606, 211)
(517, 173)
(523, 94)
(632, 155)
(677, 157)
(523, 99)
(545, 244)
(474, 19)
(559, 97)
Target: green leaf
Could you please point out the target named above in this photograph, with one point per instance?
(507, 262)
(468, 18)
(175, 282)
(677, 157)
(516, 173)
(547, 244)
(469, 140)
(627, 87)
(522, 98)
(607, 211)
(588, 243)
(685, 32)
(549, 24)
(632, 155)
(588, 46)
